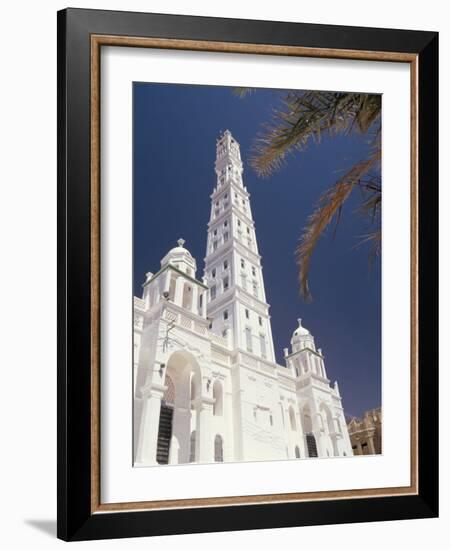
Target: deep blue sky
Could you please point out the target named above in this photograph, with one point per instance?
(175, 131)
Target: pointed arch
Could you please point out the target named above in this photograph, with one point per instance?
(182, 377)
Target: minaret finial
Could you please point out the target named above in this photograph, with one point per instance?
(299, 322)
(181, 242)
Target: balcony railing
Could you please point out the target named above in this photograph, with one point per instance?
(217, 339)
(186, 322)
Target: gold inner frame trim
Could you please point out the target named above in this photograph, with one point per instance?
(97, 41)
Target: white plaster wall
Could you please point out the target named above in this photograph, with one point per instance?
(261, 440)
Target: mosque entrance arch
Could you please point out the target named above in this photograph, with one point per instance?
(177, 413)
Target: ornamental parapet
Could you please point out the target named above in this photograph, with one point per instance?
(185, 319)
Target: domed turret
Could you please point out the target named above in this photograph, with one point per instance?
(301, 338)
(300, 330)
(180, 258)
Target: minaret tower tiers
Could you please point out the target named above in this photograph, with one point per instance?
(237, 306)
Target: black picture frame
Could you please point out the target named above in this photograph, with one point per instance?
(76, 520)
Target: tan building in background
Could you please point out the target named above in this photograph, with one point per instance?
(365, 433)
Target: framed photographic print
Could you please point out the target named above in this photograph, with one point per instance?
(247, 274)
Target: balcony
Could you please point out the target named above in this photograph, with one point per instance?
(185, 320)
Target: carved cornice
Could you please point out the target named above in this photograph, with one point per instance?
(173, 268)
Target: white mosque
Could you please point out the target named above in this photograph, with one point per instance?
(207, 387)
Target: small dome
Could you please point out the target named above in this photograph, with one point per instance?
(300, 330)
(179, 254)
(177, 250)
(302, 338)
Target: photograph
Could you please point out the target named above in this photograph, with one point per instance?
(256, 274)
(247, 274)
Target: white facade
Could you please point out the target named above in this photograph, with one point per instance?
(207, 387)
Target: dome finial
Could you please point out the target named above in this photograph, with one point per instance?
(181, 242)
(300, 331)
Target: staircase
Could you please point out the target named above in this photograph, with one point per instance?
(164, 434)
(311, 444)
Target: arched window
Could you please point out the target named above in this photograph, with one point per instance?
(218, 448)
(192, 447)
(218, 399)
(297, 452)
(292, 418)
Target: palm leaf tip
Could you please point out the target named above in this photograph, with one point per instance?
(242, 91)
(329, 207)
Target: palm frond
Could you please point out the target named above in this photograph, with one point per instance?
(371, 205)
(374, 240)
(370, 208)
(304, 117)
(329, 207)
(243, 92)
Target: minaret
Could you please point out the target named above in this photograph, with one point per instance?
(237, 304)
